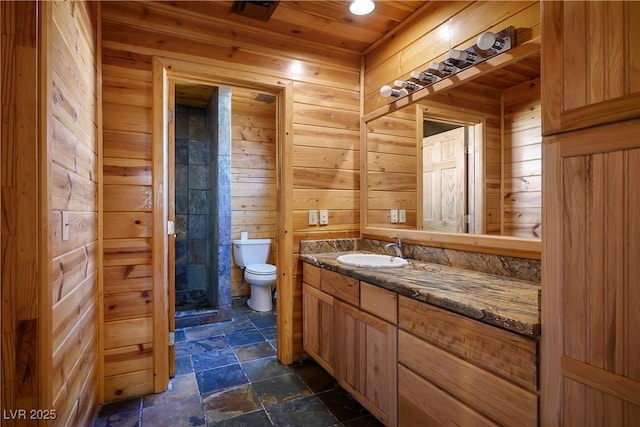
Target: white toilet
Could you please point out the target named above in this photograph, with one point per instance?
(252, 255)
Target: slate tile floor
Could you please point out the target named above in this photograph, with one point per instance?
(227, 375)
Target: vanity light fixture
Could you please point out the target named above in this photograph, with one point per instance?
(443, 67)
(362, 7)
(407, 85)
(424, 77)
(488, 45)
(488, 40)
(463, 55)
(387, 91)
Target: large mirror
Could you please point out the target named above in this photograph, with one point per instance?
(463, 160)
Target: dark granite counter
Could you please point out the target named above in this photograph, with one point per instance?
(500, 301)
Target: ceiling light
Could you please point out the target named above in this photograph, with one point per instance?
(362, 7)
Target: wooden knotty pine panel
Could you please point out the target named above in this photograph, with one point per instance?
(73, 187)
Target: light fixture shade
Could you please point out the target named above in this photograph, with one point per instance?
(362, 7)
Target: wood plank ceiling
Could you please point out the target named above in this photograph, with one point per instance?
(329, 24)
(326, 23)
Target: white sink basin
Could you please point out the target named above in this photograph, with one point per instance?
(371, 260)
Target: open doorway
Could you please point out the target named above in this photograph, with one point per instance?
(224, 185)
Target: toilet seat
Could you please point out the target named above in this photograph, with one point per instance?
(261, 269)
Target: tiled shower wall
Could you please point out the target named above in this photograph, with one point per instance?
(192, 208)
(203, 208)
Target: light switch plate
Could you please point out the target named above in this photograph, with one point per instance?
(402, 216)
(394, 216)
(313, 217)
(324, 217)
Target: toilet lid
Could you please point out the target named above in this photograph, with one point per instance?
(261, 269)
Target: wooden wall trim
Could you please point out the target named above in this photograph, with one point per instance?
(160, 251)
(45, 298)
(497, 245)
(552, 335)
(285, 300)
(100, 179)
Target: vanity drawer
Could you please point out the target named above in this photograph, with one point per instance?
(496, 350)
(379, 302)
(342, 287)
(420, 403)
(311, 274)
(489, 394)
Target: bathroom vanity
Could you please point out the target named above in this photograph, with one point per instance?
(425, 344)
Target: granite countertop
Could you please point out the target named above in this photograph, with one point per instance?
(510, 304)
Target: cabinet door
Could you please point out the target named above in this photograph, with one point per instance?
(590, 63)
(318, 326)
(590, 361)
(366, 358)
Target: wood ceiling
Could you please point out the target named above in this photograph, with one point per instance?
(330, 24)
(327, 23)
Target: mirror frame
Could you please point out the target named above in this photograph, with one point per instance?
(497, 245)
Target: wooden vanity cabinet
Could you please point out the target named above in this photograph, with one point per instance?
(366, 356)
(454, 370)
(355, 346)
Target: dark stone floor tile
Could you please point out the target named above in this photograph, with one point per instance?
(254, 419)
(220, 378)
(121, 419)
(280, 389)
(307, 412)
(262, 369)
(262, 320)
(180, 336)
(230, 403)
(187, 348)
(183, 365)
(213, 359)
(342, 405)
(250, 336)
(366, 421)
(176, 413)
(269, 333)
(203, 331)
(236, 326)
(314, 376)
(179, 388)
(254, 351)
(119, 407)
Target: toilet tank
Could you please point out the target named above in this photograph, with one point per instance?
(251, 251)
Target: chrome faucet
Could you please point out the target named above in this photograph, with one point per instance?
(398, 246)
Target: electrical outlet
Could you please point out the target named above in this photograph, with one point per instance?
(394, 216)
(402, 216)
(324, 217)
(313, 217)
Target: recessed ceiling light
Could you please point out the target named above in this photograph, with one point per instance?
(362, 7)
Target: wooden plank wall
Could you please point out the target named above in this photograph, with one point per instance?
(20, 257)
(253, 174)
(73, 46)
(391, 168)
(325, 151)
(522, 216)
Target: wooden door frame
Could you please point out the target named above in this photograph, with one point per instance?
(170, 68)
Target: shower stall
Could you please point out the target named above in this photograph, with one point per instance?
(203, 210)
